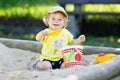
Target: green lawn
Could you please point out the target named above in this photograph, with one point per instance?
(106, 41)
(38, 8)
(25, 8)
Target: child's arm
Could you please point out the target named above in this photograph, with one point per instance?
(41, 35)
(79, 40)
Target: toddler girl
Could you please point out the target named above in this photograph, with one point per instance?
(53, 38)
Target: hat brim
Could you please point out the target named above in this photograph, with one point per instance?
(45, 21)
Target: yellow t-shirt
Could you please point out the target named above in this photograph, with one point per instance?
(51, 48)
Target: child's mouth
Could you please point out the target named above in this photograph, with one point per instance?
(56, 24)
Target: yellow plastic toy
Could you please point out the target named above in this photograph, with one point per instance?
(51, 33)
(101, 57)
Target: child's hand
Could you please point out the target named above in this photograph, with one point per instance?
(82, 38)
(79, 40)
(41, 35)
(44, 33)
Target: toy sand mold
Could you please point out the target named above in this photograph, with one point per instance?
(72, 55)
(109, 70)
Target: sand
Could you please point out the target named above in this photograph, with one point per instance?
(14, 65)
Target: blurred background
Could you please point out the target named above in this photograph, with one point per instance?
(22, 19)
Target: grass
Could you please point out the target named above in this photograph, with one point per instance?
(35, 8)
(38, 8)
(106, 41)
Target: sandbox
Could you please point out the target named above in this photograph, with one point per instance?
(17, 55)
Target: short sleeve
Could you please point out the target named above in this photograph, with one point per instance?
(69, 36)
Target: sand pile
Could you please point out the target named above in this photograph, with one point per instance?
(13, 60)
(14, 64)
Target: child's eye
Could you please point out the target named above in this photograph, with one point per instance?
(60, 19)
(53, 18)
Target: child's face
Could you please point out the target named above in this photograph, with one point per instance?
(56, 20)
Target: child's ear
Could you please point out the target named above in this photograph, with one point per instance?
(47, 20)
(66, 23)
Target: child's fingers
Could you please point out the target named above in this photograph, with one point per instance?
(82, 38)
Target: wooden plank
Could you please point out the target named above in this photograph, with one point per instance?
(94, 13)
(104, 71)
(22, 44)
(37, 46)
(97, 49)
(78, 10)
(88, 1)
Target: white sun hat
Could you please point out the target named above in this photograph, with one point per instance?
(55, 9)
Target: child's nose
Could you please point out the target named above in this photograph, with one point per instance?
(56, 21)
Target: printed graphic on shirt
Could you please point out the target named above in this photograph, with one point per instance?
(58, 44)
